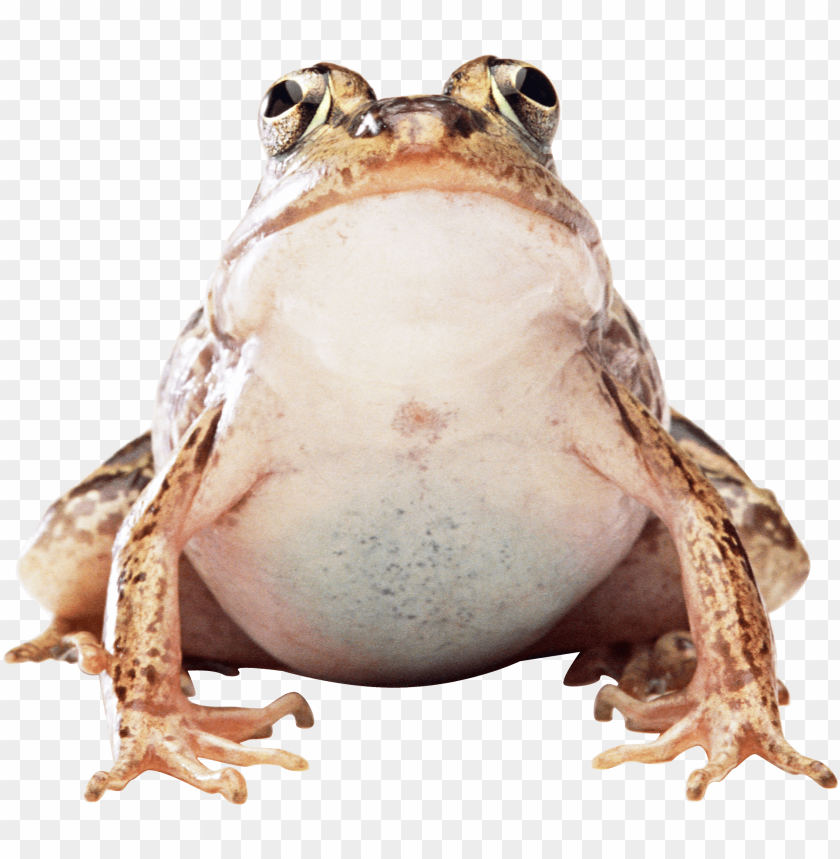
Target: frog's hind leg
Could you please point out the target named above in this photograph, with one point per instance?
(651, 652)
(68, 560)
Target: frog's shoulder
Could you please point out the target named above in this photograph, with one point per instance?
(192, 379)
(619, 344)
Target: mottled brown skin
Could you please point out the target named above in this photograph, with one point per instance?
(689, 567)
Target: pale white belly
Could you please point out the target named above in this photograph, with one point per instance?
(381, 568)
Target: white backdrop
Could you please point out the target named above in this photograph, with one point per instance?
(696, 134)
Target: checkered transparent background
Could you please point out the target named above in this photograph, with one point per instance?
(698, 136)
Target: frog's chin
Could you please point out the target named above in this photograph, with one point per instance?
(383, 284)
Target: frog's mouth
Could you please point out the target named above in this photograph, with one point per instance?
(402, 284)
(420, 147)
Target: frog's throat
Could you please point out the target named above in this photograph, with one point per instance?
(401, 284)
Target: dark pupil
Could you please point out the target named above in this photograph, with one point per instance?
(282, 97)
(536, 86)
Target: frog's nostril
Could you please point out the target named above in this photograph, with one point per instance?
(412, 114)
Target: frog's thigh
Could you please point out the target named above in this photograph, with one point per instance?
(778, 559)
(68, 560)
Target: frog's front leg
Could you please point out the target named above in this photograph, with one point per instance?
(730, 707)
(153, 725)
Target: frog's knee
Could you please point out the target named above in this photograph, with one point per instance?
(68, 577)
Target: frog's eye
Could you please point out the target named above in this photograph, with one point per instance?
(526, 97)
(293, 106)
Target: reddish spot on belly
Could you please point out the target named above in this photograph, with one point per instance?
(413, 418)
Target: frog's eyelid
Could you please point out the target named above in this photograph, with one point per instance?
(501, 102)
(323, 111)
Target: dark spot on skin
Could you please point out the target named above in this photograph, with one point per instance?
(206, 446)
(465, 124)
(680, 466)
(140, 577)
(618, 336)
(110, 525)
(125, 731)
(765, 520)
(413, 417)
(347, 175)
(164, 486)
(747, 635)
(150, 674)
(730, 537)
(85, 507)
(146, 530)
(739, 679)
(154, 653)
(152, 627)
(721, 646)
(734, 543)
(120, 692)
(117, 672)
(634, 432)
(193, 321)
(131, 674)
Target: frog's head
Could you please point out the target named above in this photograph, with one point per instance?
(458, 188)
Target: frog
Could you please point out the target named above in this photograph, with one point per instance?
(413, 435)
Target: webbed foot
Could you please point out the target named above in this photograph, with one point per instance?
(171, 739)
(729, 724)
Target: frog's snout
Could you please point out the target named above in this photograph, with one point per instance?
(417, 118)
